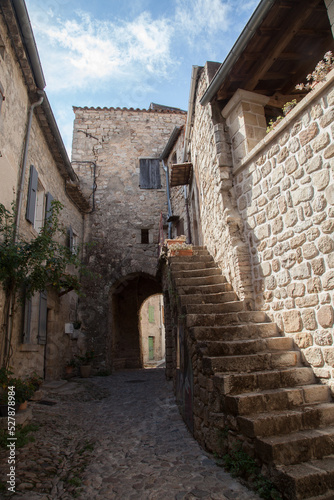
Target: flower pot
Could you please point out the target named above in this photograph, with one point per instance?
(183, 252)
(23, 406)
(69, 370)
(85, 371)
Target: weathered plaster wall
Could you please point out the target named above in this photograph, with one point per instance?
(115, 139)
(28, 357)
(155, 328)
(285, 194)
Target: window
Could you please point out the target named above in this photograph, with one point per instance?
(151, 314)
(73, 240)
(144, 236)
(39, 207)
(149, 173)
(35, 319)
(38, 203)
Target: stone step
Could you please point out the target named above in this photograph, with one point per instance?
(251, 362)
(296, 447)
(234, 332)
(240, 383)
(204, 289)
(254, 346)
(208, 298)
(275, 399)
(197, 273)
(283, 422)
(187, 266)
(225, 319)
(222, 308)
(313, 480)
(191, 258)
(200, 281)
(200, 251)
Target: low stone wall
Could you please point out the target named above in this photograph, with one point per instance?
(285, 195)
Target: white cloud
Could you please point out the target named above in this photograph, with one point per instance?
(82, 52)
(202, 19)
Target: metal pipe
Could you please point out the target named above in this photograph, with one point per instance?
(29, 41)
(237, 49)
(24, 166)
(170, 213)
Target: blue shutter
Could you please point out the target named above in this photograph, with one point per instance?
(49, 199)
(42, 320)
(70, 238)
(27, 321)
(32, 193)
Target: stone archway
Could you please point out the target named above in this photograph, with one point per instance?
(127, 297)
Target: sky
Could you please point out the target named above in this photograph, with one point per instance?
(129, 53)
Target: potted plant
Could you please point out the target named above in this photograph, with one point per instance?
(24, 390)
(85, 363)
(71, 364)
(178, 246)
(320, 71)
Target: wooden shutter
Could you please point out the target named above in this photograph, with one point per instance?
(27, 322)
(151, 314)
(70, 238)
(49, 199)
(42, 320)
(32, 193)
(149, 174)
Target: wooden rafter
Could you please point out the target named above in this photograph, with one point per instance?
(298, 15)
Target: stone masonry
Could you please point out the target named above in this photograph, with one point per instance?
(107, 146)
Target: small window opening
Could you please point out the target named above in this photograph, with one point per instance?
(144, 236)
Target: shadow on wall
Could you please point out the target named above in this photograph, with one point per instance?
(127, 297)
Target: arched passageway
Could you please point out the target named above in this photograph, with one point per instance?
(152, 331)
(127, 297)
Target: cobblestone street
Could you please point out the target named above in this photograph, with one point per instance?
(119, 437)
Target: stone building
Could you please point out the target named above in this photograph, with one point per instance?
(35, 169)
(116, 153)
(249, 321)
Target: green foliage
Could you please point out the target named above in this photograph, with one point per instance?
(86, 359)
(22, 435)
(24, 389)
(33, 265)
(239, 464)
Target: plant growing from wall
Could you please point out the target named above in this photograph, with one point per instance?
(30, 266)
(320, 71)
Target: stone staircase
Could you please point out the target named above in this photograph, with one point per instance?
(252, 381)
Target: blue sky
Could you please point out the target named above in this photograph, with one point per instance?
(129, 53)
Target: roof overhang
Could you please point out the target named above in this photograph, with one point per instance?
(282, 42)
(181, 174)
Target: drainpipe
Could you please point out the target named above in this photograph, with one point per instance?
(170, 213)
(24, 167)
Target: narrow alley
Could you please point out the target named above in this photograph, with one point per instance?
(117, 437)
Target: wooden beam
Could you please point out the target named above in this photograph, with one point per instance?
(280, 40)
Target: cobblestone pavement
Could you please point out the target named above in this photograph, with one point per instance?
(119, 437)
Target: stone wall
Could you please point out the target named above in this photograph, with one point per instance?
(49, 359)
(285, 194)
(108, 144)
(221, 224)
